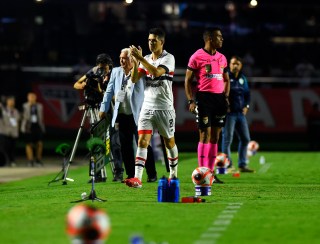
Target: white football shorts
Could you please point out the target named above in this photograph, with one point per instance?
(163, 120)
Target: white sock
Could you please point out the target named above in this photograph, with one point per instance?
(173, 161)
(141, 158)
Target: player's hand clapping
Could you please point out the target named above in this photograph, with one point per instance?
(136, 52)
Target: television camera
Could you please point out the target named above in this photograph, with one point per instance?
(93, 91)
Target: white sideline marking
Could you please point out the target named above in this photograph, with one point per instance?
(222, 222)
(211, 235)
(264, 168)
(205, 242)
(233, 207)
(226, 216)
(227, 211)
(217, 228)
(219, 225)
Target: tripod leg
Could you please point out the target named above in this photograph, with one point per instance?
(57, 177)
(75, 145)
(93, 112)
(103, 173)
(93, 116)
(93, 195)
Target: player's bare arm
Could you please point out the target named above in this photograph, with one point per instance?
(188, 89)
(135, 54)
(226, 83)
(135, 76)
(226, 87)
(155, 71)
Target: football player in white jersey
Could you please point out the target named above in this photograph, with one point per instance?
(157, 109)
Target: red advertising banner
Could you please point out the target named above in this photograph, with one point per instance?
(281, 110)
(60, 105)
(271, 110)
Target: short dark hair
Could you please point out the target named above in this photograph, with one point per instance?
(236, 58)
(158, 32)
(104, 58)
(208, 32)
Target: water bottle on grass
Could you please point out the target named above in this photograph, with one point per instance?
(174, 190)
(163, 189)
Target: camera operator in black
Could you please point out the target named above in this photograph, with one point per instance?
(94, 84)
(95, 81)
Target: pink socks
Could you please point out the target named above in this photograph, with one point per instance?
(213, 151)
(203, 153)
(207, 155)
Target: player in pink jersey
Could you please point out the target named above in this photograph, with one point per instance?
(157, 110)
(209, 68)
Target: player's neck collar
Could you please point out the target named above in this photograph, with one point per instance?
(210, 53)
(154, 57)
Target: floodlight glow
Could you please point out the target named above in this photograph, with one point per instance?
(253, 3)
(230, 6)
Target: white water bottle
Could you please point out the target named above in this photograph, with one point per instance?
(262, 160)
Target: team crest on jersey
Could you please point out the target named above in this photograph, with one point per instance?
(63, 100)
(241, 81)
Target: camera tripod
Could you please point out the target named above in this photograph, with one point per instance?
(93, 194)
(92, 113)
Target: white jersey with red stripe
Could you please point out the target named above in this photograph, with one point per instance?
(158, 90)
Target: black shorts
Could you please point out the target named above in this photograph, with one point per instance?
(212, 108)
(35, 134)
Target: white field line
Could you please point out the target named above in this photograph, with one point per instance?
(205, 242)
(219, 225)
(264, 168)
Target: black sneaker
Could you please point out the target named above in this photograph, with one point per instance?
(152, 179)
(118, 178)
(245, 169)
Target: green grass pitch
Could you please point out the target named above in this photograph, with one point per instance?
(278, 204)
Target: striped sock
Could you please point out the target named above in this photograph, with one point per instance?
(173, 161)
(141, 158)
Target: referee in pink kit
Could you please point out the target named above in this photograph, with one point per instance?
(209, 67)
